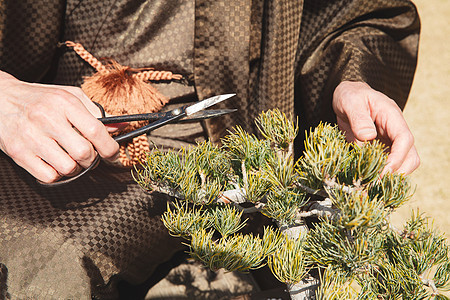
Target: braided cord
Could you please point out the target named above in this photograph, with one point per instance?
(88, 57)
(147, 75)
(156, 75)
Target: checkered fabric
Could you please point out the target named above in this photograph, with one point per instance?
(139, 34)
(371, 41)
(277, 67)
(69, 242)
(221, 58)
(30, 31)
(306, 50)
(228, 57)
(76, 241)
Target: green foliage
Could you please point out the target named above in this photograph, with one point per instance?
(246, 148)
(412, 264)
(364, 163)
(183, 220)
(418, 248)
(350, 164)
(272, 240)
(357, 211)
(326, 155)
(392, 189)
(442, 276)
(350, 251)
(227, 220)
(287, 263)
(284, 198)
(391, 282)
(280, 172)
(234, 253)
(337, 184)
(159, 168)
(255, 185)
(336, 285)
(277, 128)
(283, 205)
(199, 173)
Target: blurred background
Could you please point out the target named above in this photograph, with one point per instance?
(428, 115)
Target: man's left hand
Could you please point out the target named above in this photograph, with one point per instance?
(365, 114)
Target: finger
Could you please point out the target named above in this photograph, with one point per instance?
(38, 168)
(78, 148)
(94, 131)
(344, 126)
(394, 132)
(402, 143)
(60, 133)
(352, 106)
(362, 125)
(75, 92)
(116, 126)
(92, 107)
(87, 102)
(56, 157)
(411, 163)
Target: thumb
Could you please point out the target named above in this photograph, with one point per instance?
(363, 127)
(351, 104)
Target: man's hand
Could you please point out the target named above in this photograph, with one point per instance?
(365, 114)
(51, 131)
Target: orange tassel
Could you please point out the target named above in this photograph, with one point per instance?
(124, 90)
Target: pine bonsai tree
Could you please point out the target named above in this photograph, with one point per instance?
(350, 251)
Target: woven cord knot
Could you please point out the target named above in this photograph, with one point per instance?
(132, 95)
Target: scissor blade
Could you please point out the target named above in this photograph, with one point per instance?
(207, 114)
(206, 103)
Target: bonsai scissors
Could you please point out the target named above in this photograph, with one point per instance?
(187, 113)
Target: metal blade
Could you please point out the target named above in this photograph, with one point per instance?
(206, 103)
(207, 114)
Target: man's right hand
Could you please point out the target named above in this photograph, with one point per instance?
(51, 131)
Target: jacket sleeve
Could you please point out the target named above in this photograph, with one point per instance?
(29, 33)
(374, 41)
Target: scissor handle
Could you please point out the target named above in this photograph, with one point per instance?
(170, 116)
(66, 180)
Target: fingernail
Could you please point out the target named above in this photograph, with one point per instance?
(366, 134)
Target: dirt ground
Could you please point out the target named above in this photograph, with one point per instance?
(428, 115)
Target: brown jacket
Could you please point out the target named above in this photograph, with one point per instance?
(291, 54)
(288, 54)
